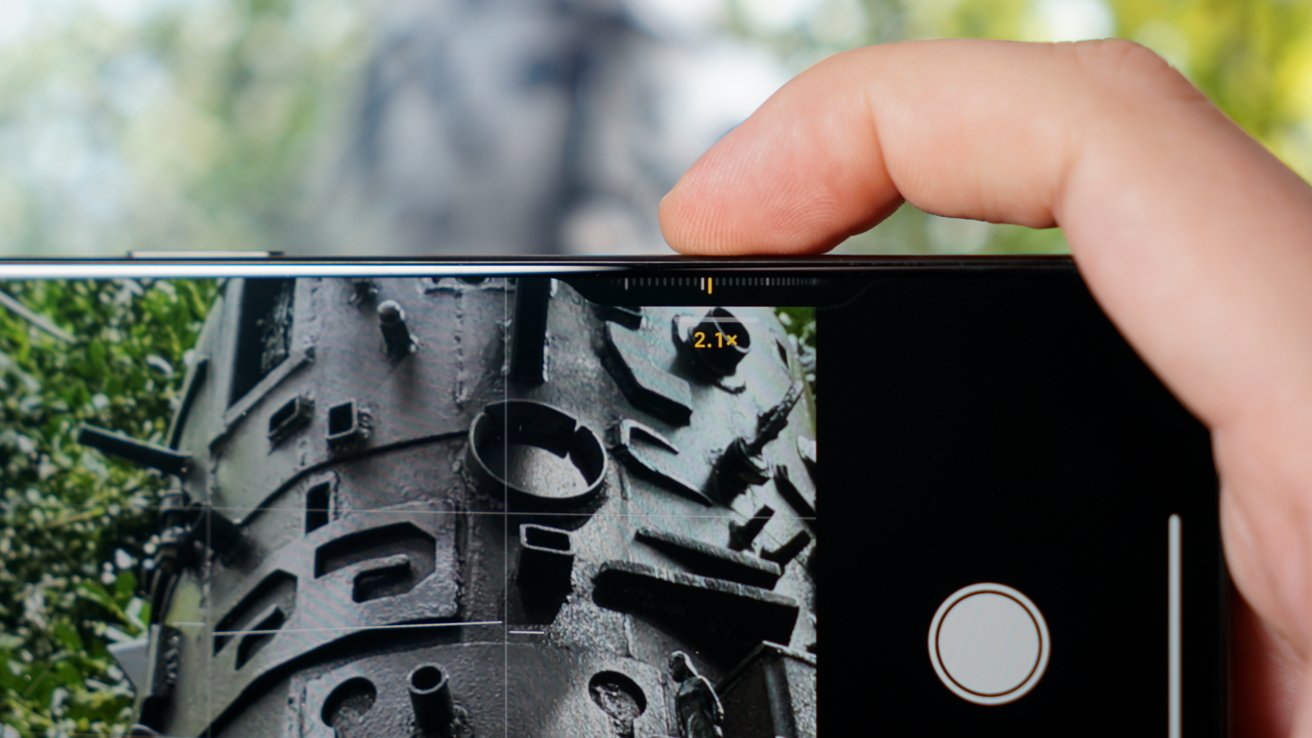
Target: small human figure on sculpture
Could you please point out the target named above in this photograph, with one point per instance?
(699, 708)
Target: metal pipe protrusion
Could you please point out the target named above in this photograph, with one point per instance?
(150, 455)
(430, 696)
(396, 334)
(528, 339)
(741, 535)
(789, 551)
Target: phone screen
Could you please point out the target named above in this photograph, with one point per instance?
(588, 499)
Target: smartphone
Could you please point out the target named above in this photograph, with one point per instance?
(587, 498)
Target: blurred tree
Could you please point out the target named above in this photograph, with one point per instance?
(1253, 58)
(164, 125)
(153, 124)
(211, 124)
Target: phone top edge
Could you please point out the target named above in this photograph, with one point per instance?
(260, 265)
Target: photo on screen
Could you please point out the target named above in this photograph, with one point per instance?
(383, 506)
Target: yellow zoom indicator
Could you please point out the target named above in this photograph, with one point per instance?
(716, 339)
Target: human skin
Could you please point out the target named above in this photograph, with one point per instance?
(1192, 237)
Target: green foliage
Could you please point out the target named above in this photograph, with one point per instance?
(75, 526)
(1253, 58)
(163, 125)
(800, 324)
(158, 124)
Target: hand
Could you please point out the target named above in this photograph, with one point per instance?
(1194, 239)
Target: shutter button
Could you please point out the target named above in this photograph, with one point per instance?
(989, 644)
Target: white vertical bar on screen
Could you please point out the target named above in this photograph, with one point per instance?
(1173, 632)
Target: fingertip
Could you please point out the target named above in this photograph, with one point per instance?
(782, 183)
(679, 225)
(699, 220)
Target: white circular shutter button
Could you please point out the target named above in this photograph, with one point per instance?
(989, 644)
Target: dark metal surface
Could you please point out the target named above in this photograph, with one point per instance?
(445, 507)
(141, 453)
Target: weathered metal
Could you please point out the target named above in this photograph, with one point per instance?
(141, 453)
(699, 708)
(503, 521)
(396, 334)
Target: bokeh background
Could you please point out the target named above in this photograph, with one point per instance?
(494, 126)
(407, 127)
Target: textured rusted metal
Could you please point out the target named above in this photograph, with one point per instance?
(501, 517)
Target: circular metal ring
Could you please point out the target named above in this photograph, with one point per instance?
(542, 457)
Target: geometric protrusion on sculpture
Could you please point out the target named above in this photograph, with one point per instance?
(647, 387)
(657, 462)
(546, 558)
(539, 457)
(725, 618)
(709, 560)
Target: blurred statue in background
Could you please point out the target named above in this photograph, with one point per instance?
(518, 126)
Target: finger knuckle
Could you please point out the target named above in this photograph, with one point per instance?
(1120, 56)
(1129, 65)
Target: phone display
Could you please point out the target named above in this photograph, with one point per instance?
(588, 498)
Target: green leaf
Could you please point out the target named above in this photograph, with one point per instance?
(64, 632)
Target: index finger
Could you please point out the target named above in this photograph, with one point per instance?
(1195, 240)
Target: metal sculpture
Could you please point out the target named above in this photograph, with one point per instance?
(456, 507)
(699, 709)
